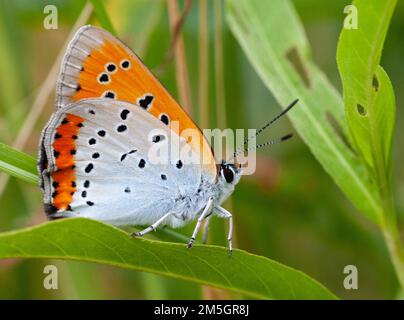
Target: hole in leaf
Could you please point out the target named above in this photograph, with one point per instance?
(295, 59)
(361, 110)
(375, 83)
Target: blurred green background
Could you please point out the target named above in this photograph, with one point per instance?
(290, 210)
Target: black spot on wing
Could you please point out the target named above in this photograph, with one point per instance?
(158, 138)
(164, 118)
(146, 101)
(103, 78)
(110, 67)
(125, 64)
(179, 164)
(89, 167)
(123, 157)
(101, 133)
(109, 94)
(124, 114)
(142, 163)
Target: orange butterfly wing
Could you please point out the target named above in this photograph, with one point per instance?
(97, 64)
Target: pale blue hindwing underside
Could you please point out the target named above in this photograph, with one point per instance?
(113, 171)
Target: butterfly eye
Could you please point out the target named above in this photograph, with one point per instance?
(228, 174)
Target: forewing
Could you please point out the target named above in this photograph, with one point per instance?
(97, 64)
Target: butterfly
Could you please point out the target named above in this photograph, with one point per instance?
(94, 154)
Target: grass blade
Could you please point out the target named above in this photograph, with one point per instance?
(18, 164)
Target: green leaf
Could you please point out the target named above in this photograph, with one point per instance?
(382, 115)
(274, 41)
(102, 15)
(92, 241)
(18, 164)
(368, 94)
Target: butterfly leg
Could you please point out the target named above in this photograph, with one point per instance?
(223, 213)
(204, 214)
(206, 229)
(152, 227)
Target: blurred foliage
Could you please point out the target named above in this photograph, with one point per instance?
(290, 211)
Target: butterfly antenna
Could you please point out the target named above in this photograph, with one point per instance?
(270, 142)
(276, 118)
(266, 126)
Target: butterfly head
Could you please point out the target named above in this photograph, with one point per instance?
(229, 174)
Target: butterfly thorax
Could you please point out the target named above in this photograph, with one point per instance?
(191, 204)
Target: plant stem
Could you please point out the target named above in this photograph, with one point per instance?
(392, 238)
(181, 66)
(389, 224)
(203, 65)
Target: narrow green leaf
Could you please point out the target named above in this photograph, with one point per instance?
(88, 240)
(368, 94)
(382, 119)
(18, 164)
(102, 15)
(274, 41)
